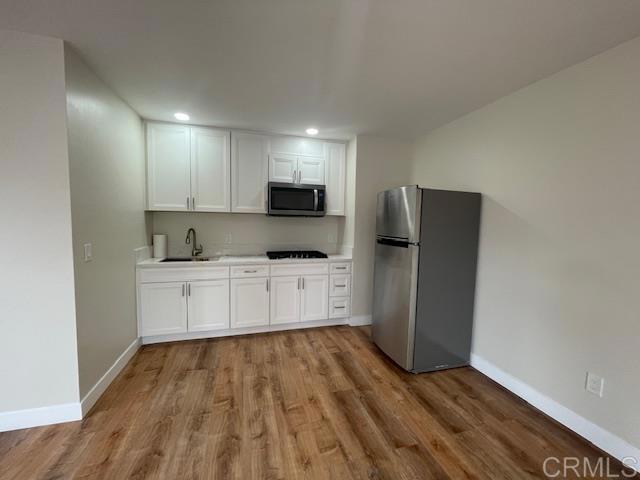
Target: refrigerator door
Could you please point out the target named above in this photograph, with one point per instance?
(398, 213)
(394, 299)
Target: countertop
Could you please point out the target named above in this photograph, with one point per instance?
(228, 260)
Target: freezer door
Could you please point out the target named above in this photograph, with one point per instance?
(398, 213)
(394, 299)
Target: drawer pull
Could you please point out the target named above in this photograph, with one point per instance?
(339, 308)
(340, 268)
(251, 271)
(340, 286)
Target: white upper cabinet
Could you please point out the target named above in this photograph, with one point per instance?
(311, 170)
(283, 168)
(210, 170)
(314, 301)
(249, 172)
(188, 168)
(285, 300)
(288, 168)
(208, 305)
(336, 172)
(168, 167)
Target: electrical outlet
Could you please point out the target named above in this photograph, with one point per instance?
(595, 384)
(88, 252)
(228, 239)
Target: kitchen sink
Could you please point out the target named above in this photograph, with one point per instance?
(189, 259)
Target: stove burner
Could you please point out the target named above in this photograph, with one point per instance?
(296, 254)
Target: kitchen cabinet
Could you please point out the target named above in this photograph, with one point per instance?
(163, 308)
(285, 300)
(168, 166)
(188, 168)
(336, 172)
(314, 297)
(287, 168)
(249, 172)
(249, 302)
(208, 305)
(210, 170)
(195, 301)
(283, 168)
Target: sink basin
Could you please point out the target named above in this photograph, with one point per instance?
(189, 259)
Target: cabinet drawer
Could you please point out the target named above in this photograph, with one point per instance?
(341, 267)
(250, 271)
(340, 285)
(339, 307)
(154, 275)
(287, 269)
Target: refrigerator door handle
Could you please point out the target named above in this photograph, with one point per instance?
(395, 242)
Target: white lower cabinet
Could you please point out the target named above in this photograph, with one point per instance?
(208, 305)
(249, 302)
(206, 299)
(285, 300)
(314, 298)
(163, 308)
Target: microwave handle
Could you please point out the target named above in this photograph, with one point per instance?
(315, 199)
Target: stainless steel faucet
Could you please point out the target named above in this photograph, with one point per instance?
(195, 250)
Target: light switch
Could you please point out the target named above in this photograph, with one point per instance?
(88, 252)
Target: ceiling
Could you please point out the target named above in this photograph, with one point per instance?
(389, 67)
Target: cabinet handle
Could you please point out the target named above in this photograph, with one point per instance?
(303, 283)
(189, 288)
(251, 271)
(187, 203)
(267, 284)
(183, 289)
(193, 203)
(339, 286)
(338, 308)
(340, 268)
(295, 172)
(298, 283)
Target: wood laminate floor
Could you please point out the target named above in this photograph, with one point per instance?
(317, 404)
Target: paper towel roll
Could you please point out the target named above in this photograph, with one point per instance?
(160, 246)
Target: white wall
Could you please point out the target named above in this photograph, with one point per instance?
(106, 156)
(38, 360)
(382, 163)
(559, 268)
(250, 233)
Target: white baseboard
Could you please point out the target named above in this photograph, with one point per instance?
(359, 320)
(242, 331)
(99, 388)
(36, 417)
(601, 438)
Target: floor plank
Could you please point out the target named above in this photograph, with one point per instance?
(309, 404)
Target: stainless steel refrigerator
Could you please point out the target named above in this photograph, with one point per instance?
(425, 276)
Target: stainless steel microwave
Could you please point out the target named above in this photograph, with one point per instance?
(296, 200)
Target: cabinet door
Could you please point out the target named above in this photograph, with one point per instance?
(168, 167)
(249, 172)
(249, 302)
(285, 300)
(315, 298)
(335, 177)
(210, 170)
(208, 303)
(311, 170)
(283, 168)
(163, 308)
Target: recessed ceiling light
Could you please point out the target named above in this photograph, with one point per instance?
(312, 131)
(181, 116)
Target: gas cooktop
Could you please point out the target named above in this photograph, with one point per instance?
(296, 254)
